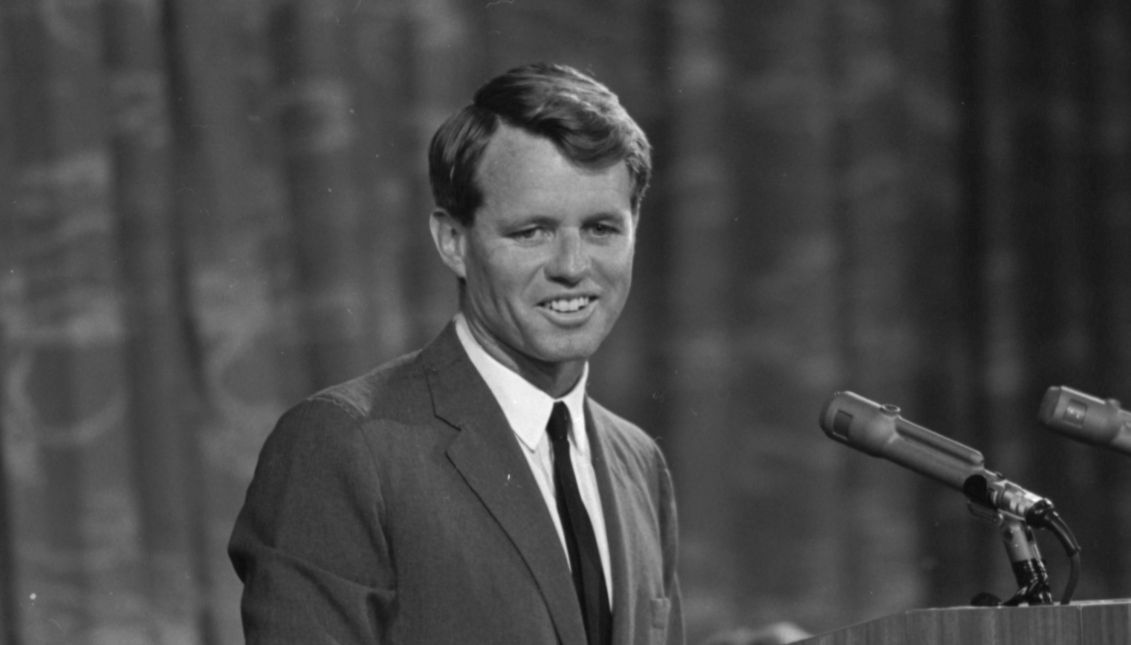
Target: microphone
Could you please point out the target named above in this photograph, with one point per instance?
(880, 431)
(1087, 419)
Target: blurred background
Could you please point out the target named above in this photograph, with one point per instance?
(211, 208)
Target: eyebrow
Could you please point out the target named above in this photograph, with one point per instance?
(539, 218)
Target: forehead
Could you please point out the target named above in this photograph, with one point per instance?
(521, 170)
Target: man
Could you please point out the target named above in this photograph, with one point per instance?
(471, 492)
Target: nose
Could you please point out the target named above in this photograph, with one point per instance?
(570, 262)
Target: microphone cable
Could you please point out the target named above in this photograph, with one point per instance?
(1053, 522)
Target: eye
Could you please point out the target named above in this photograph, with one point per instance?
(527, 234)
(603, 229)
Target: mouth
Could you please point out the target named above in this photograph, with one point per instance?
(571, 305)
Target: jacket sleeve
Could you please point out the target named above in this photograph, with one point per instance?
(308, 542)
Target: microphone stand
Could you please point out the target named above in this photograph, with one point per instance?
(1028, 567)
(1024, 555)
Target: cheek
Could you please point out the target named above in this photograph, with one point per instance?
(499, 277)
(617, 268)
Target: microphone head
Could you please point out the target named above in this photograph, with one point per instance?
(859, 422)
(1065, 409)
(1086, 418)
(879, 430)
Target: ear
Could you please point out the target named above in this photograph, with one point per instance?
(450, 238)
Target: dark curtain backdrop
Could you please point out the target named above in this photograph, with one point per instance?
(209, 208)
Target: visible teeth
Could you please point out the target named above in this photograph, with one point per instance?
(568, 305)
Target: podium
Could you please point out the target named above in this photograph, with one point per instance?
(1102, 622)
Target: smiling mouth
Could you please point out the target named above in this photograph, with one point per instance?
(568, 305)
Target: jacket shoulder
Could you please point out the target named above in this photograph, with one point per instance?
(397, 385)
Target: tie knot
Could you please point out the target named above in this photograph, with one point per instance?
(558, 426)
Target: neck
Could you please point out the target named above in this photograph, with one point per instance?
(554, 378)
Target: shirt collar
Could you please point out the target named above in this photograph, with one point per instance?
(526, 407)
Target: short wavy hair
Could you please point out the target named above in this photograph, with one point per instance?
(581, 116)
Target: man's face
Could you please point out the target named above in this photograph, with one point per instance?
(548, 259)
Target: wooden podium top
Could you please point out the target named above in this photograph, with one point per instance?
(1101, 622)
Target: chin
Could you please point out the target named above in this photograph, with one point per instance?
(561, 346)
(568, 353)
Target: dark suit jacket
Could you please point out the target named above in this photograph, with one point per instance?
(399, 508)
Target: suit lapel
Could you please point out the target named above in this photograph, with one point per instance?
(612, 482)
(488, 457)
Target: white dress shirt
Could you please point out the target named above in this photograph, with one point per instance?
(527, 409)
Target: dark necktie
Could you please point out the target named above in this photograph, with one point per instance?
(581, 543)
